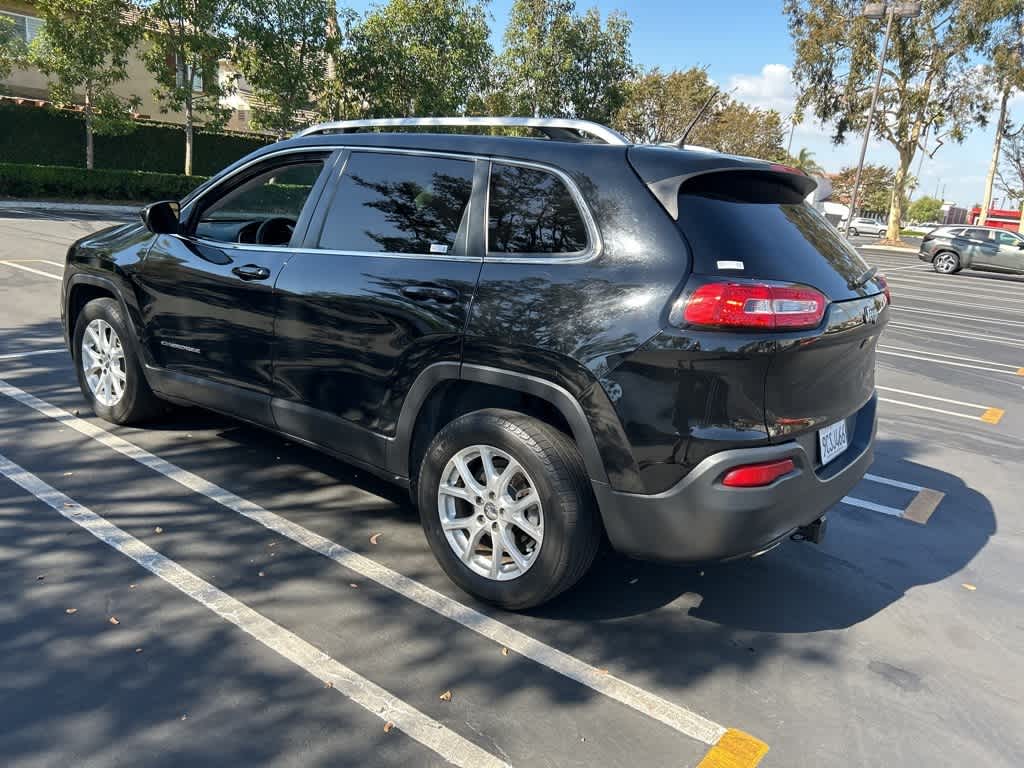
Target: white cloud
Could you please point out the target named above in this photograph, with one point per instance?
(771, 89)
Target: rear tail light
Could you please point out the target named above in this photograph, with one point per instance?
(880, 279)
(757, 475)
(751, 305)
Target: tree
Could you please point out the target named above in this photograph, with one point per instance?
(187, 39)
(876, 185)
(415, 57)
(804, 160)
(556, 63)
(84, 45)
(12, 48)
(282, 48)
(925, 209)
(1011, 168)
(658, 108)
(1006, 71)
(928, 83)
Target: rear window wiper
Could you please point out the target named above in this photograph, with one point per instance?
(863, 279)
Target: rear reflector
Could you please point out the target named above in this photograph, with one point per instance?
(757, 475)
(753, 305)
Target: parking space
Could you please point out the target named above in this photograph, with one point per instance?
(202, 591)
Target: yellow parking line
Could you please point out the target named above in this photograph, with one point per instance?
(992, 415)
(735, 749)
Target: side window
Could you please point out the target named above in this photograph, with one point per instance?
(977, 234)
(394, 203)
(264, 209)
(531, 211)
(1005, 238)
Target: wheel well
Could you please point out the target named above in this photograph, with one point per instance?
(81, 295)
(452, 399)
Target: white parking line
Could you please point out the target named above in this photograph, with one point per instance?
(673, 715)
(917, 292)
(931, 397)
(974, 318)
(1015, 368)
(907, 297)
(886, 270)
(30, 269)
(974, 289)
(893, 483)
(33, 353)
(371, 697)
(1005, 341)
(952, 363)
(872, 506)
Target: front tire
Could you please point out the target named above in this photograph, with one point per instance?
(507, 508)
(853, 232)
(946, 263)
(109, 372)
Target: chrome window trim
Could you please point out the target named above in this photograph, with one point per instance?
(594, 247)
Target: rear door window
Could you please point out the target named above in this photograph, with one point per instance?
(531, 211)
(752, 224)
(395, 203)
(978, 234)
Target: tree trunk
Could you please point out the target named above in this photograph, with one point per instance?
(89, 154)
(188, 138)
(993, 164)
(892, 232)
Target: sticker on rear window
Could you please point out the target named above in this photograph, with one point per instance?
(730, 265)
(438, 248)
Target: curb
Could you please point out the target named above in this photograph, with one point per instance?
(51, 207)
(892, 248)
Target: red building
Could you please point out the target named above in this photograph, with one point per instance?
(1004, 219)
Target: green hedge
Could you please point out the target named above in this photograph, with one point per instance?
(64, 183)
(46, 136)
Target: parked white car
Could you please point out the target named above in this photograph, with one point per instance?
(862, 226)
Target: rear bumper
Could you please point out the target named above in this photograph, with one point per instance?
(924, 255)
(700, 520)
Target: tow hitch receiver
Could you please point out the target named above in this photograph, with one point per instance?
(814, 532)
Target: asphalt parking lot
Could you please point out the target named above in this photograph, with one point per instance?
(205, 593)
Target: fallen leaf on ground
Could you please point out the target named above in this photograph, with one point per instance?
(328, 684)
(69, 504)
(504, 651)
(40, 578)
(131, 586)
(261, 573)
(138, 650)
(114, 620)
(388, 726)
(633, 581)
(70, 610)
(375, 538)
(354, 586)
(184, 717)
(602, 671)
(158, 529)
(75, 411)
(971, 587)
(446, 696)
(68, 474)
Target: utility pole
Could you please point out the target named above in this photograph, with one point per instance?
(890, 11)
(986, 201)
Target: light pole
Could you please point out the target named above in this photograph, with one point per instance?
(889, 10)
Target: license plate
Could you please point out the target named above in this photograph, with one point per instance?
(833, 441)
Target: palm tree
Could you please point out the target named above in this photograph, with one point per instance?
(805, 162)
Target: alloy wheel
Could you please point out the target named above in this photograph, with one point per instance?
(491, 512)
(103, 363)
(945, 263)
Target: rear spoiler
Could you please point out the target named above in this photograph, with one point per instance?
(664, 170)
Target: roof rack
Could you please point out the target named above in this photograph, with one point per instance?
(562, 129)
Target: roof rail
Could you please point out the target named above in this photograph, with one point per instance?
(562, 129)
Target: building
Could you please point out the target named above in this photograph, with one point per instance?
(29, 85)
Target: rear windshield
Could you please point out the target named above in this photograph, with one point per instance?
(753, 225)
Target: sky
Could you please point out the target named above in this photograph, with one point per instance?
(745, 44)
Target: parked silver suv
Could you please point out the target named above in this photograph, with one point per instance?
(863, 226)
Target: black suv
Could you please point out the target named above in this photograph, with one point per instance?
(547, 340)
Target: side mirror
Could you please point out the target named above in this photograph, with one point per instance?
(162, 218)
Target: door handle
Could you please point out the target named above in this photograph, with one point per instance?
(251, 272)
(430, 293)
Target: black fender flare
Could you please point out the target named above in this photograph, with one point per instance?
(84, 278)
(567, 405)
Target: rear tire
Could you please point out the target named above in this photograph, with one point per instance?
(946, 263)
(108, 368)
(537, 462)
(853, 232)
